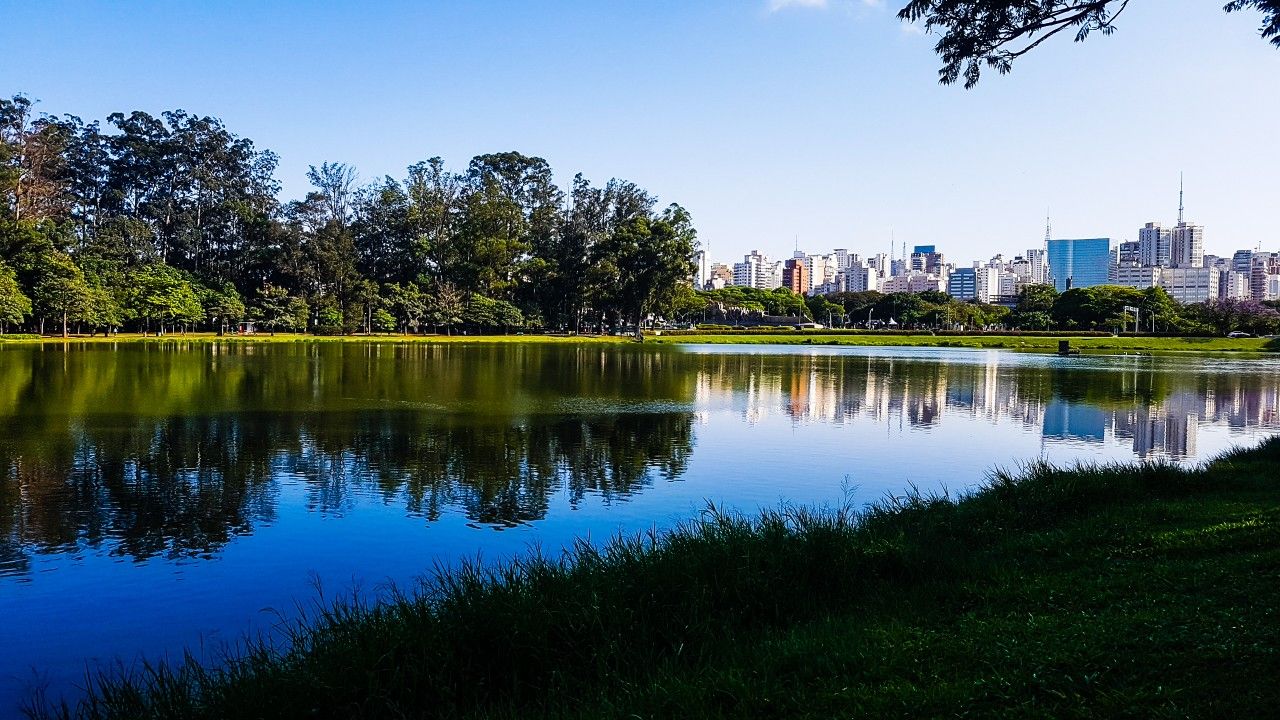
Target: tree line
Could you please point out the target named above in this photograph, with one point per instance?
(154, 223)
(1039, 307)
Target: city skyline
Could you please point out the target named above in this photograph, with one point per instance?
(769, 121)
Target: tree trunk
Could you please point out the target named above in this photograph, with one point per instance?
(64, 323)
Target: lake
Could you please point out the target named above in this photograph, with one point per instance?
(156, 496)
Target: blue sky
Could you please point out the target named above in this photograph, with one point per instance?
(768, 119)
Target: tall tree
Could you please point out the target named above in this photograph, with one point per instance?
(648, 259)
(997, 32)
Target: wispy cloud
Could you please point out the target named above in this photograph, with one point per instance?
(776, 5)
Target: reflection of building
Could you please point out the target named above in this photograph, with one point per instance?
(1074, 421)
(1153, 417)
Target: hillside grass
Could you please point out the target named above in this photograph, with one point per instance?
(1110, 591)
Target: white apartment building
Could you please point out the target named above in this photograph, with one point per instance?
(1140, 277)
(1233, 285)
(822, 270)
(1190, 284)
(758, 271)
(1039, 260)
(1186, 245)
(1154, 244)
(858, 279)
(913, 282)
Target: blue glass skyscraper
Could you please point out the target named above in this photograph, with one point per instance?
(1079, 263)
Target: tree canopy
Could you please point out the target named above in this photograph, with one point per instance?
(994, 33)
(153, 222)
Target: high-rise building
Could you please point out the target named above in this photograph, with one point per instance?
(1021, 267)
(758, 271)
(1039, 265)
(1263, 274)
(913, 282)
(822, 270)
(719, 276)
(1186, 245)
(842, 258)
(1079, 263)
(1154, 245)
(1190, 284)
(1242, 261)
(962, 283)
(1137, 276)
(1129, 253)
(858, 278)
(795, 276)
(1233, 285)
(880, 263)
(926, 259)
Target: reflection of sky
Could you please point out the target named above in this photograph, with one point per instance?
(818, 431)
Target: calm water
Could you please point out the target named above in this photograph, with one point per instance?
(155, 497)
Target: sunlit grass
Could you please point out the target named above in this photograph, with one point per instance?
(1095, 591)
(302, 338)
(1007, 342)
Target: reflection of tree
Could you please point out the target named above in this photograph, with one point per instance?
(149, 452)
(154, 453)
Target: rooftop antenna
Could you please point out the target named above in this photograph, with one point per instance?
(1180, 198)
(1048, 229)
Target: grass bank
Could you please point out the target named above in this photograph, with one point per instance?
(301, 338)
(1141, 591)
(1007, 342)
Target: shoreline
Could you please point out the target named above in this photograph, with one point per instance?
(1134, 590)
(1026, 343)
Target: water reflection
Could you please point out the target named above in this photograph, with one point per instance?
(1157, 404)
(165, 452)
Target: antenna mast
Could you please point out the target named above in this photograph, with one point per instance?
(1180, 208)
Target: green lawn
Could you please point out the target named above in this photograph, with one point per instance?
(1010, 342)
(1126, 591)
(296, 337)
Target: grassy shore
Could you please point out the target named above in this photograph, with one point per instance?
(1008, 342)
(302, 338)
(1136, 591)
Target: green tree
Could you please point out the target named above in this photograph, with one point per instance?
(222, 306)
(446, 306)
(647, 259)
(61, 292)
(997, 32)
(492, 314)
(164, 296)
(383, 321)
(409, 304)
(14, 305)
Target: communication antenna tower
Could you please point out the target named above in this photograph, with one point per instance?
(1180, 208)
